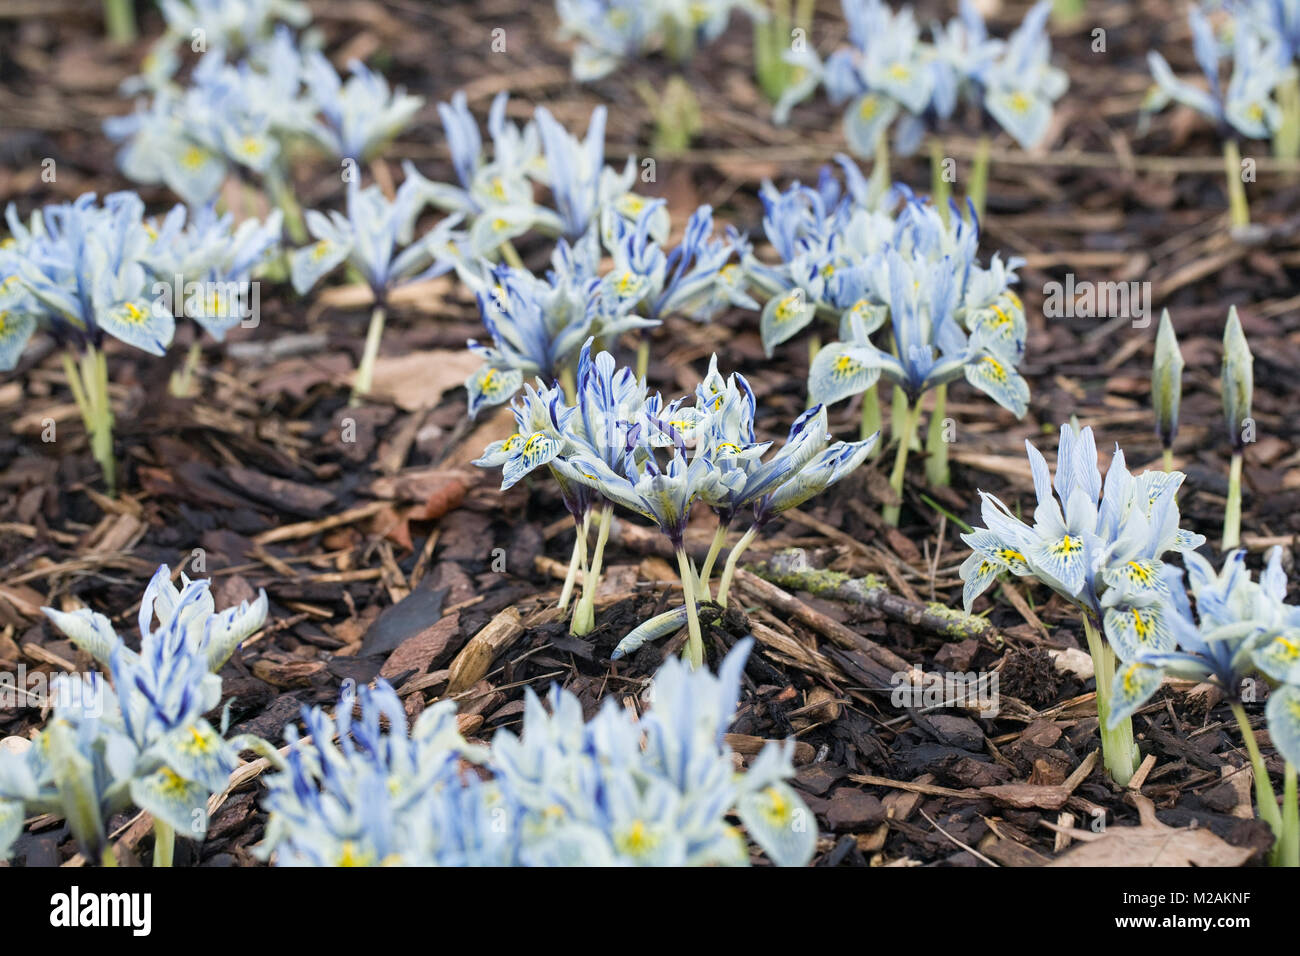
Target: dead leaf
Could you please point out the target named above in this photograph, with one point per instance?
(1151, 844)
(419, 379)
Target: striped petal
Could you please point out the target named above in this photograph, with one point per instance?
(977, 573)
(1063, 560)
(780, 823)
(1283, 713)
(840, 371)
(15, 329)
(1134, 630)
(784, 316)
(491, 386)
(180, 803)
(1134, 684)
(995, 377)
(1279, 658)
(148, 329)
(537, 450)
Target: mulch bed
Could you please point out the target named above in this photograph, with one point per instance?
(385, 554)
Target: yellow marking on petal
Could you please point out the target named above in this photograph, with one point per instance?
(350, 856)
(320, 250)
(1128, 677)
(1010, 554)
(899, 72)
(1020, 102)
(777, 809)
(868, 108)
(788, 308)
(636, 840)
(172, 782)
(135, 314)
(1290, 648)
(846, 365)
(995, 368)
(193, 158)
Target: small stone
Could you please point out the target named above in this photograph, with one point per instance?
(853, 809)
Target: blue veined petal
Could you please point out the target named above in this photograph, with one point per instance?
(1186, 541)
(840, 371)
(537, 450)
(15, 329)
(1135, 683)
(1001, 327)
(977, 573)
(1176, 89)
(1134, 630)
(180, 803)
(1021, 112)
(91, 631)
(996, 378)
(784, 316)
(308, 264)
(146, 328)
(862, 318)
(1279, 658)
(193, 173)
(780, 822)
(1141, 577)
(987, 543)
(198, 753)
(1062, 559)
(1283, 713)
(499, 452)
(492, 386)
(866, 120)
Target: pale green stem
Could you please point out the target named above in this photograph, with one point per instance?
(1265, 796)
(1237, 204)
(182, 382)
(366, 370)
(1286, 141)
(119, 21)
(1232, 513)
(706, 569)
(1119, 753)
(282, 195)
(107, 857)
(642, 357)
(569, 383)
(88, 381)
(870, 422)
(584, 615)
(936, 445)
(896, 476)
(511, 255)
(940, 188)
(1290, 849)
(729, 569)
(164, 843)
(1169, 459)
(880, 180)
(978, 191)
(571, 578)
(695, 646)
(814, 346)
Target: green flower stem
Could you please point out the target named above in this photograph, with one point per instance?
(1286, 141)
(880, 179)
(1119, 753)
(277, 184)
(584, 615)
(88, 380)
(936, 448)
(814, 346)
(1236, 188)
(978, 190)
(940, 188)
(569, 383)
(910, 419)
(119, 21)
(729, 569)
(1265, 796)
(107, 857)
(182, 381)
(706, 569)
(366, 370)
(695, 646)
(577, 560)
(1232, 513)
(1169, 459)
(511, 255)
(642, 356)
(164, 843)
(870, 423)
(1290, 848)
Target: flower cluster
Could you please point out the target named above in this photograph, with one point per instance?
(1100, 548)
(1260, 50)
(611, 31)
(537, 325)
(888, 71)
(613, 791)
(949, 316)
(246, 116)
(1239, 627)
(143, 740)
(621, 446)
